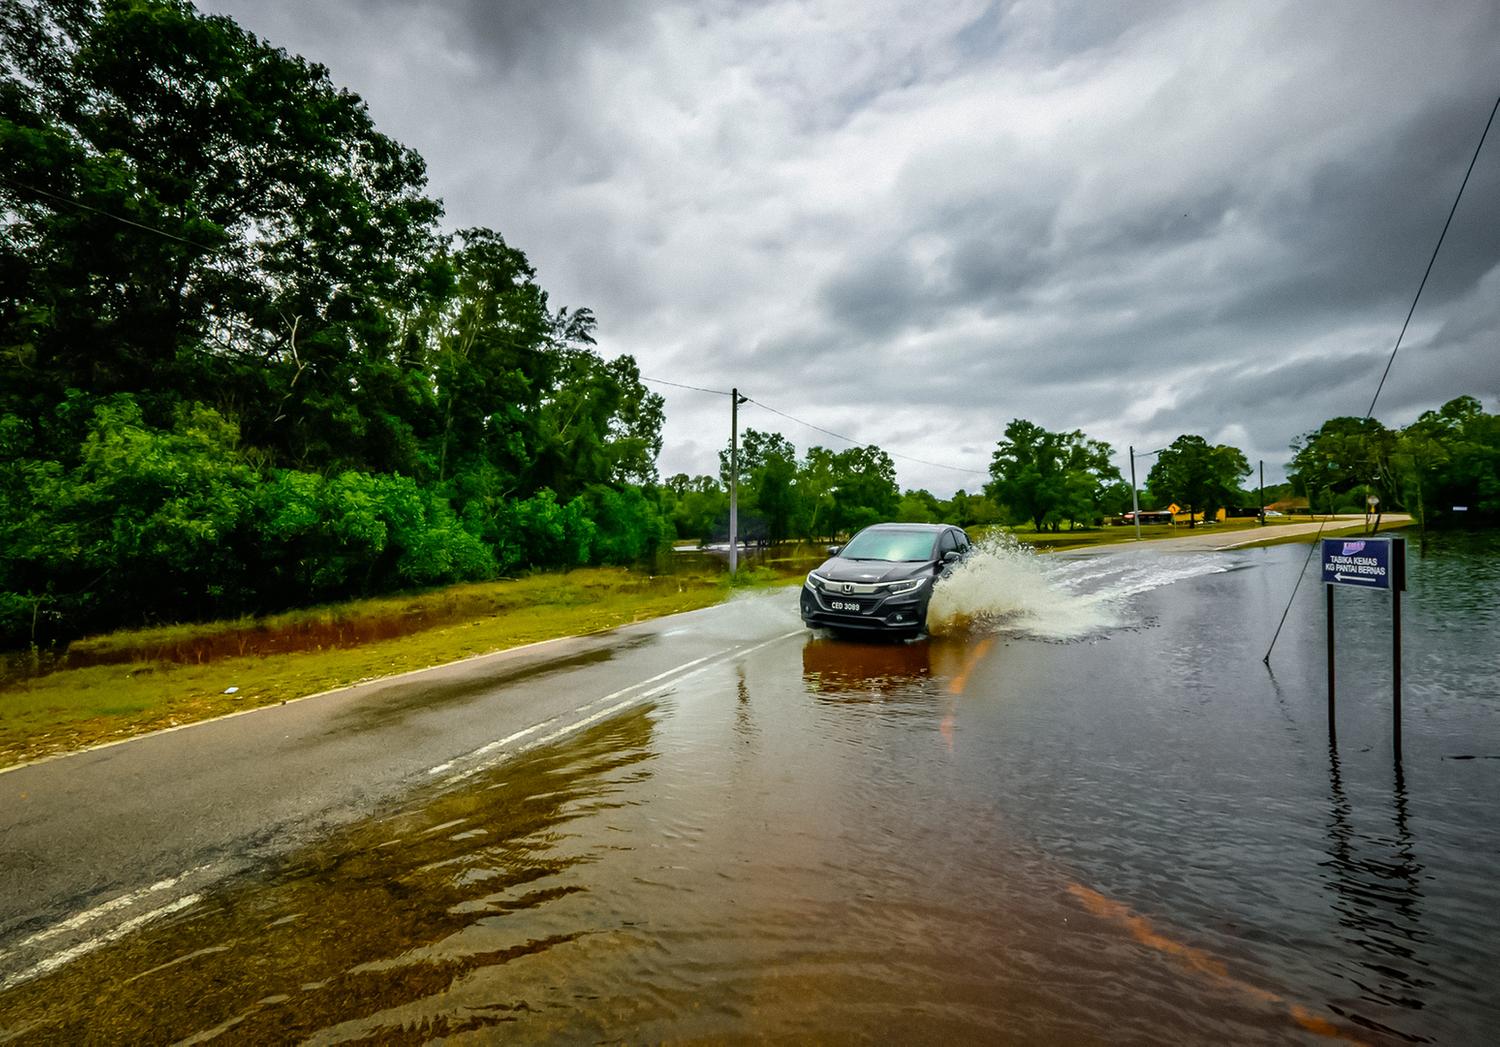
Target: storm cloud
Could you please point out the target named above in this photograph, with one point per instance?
(909, 223)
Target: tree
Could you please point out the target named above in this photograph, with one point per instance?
(1195, 474)
(696, 505)
(195, 215)
(1448, 458)
(768, 487)
(1047, 477)
(866, 491)
(598, 423)
(919, 506)
(239, 367)
(971, 510)
(1342, 461)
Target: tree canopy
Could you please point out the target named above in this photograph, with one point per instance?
(240, 365)
(1201, 477)
(1047, 477)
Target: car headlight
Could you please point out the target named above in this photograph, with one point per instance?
(815, 582)
(911, 585)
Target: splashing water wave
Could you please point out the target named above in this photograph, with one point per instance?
(1005, 586)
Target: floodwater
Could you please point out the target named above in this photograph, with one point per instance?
(1083, 811)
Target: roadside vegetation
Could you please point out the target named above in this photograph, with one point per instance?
(134, 681)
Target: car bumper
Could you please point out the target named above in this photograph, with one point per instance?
(905, 613)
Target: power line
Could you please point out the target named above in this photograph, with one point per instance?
(1384, 374)
(107, 214)
(1438, 247)
(818, 428)
(679, 385)
(851, 440)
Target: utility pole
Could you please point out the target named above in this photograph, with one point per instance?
(1135, 502)
(1262, 513)
(735, 399)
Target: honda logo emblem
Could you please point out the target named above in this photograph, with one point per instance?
(848, 587)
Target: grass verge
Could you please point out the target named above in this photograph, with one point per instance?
(147, 684)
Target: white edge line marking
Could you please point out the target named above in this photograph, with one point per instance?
(492, 746)
(90, 915)
(719, 659)
(501, 653)
(300, 698)
(66, 956)
(72, 953)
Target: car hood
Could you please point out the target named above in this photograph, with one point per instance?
(838, 569)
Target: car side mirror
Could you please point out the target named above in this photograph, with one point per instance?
(952, 556)
(833, 550)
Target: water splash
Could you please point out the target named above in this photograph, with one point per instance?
(1005, 586)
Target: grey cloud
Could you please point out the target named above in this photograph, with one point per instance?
(1136, 218)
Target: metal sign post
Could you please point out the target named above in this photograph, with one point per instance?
(1368, 563)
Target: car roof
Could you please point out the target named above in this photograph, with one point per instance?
(910, 527)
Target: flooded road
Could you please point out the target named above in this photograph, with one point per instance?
(1083, 811)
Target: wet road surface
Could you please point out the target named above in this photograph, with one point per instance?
(1088, 815)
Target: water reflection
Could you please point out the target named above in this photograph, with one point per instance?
(744, 722)
(1376, 883)
(852, 671)
(381, 918)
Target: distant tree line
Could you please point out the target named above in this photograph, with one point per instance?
(1444, 469)
(823, 495)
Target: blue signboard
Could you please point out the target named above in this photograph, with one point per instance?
(1362, 562)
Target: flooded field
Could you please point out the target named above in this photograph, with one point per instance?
(1082, 811)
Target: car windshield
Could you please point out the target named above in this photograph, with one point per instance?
(890, 545)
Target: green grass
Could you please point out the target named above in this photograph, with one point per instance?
(158, 678)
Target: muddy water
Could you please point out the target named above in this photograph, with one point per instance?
(1082, 812)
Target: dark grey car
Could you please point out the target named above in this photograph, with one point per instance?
(882, 580)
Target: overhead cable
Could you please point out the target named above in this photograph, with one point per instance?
(107, 214)
(850, 439)
(1433, 259)
(679, 385)
(1392, 359)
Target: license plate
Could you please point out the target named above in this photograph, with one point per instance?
(843, 605)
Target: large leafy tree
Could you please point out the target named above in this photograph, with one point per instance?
(969, 510)
(597, 423)
(1200, 476)
(193, 214)
(769, 491)
(1449, 458)
(1342, 461)
(696, 505)
(1047, 477)
(867, 491)
(239, 368)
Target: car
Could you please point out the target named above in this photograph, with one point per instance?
(882, 580)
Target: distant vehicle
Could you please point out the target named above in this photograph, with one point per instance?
(1150, 516)
(1274, 512)
(882, 580)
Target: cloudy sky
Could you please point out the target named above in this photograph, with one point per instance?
(910, 222)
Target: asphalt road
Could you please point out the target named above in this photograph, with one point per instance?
(1209, 539)
(96, 843)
